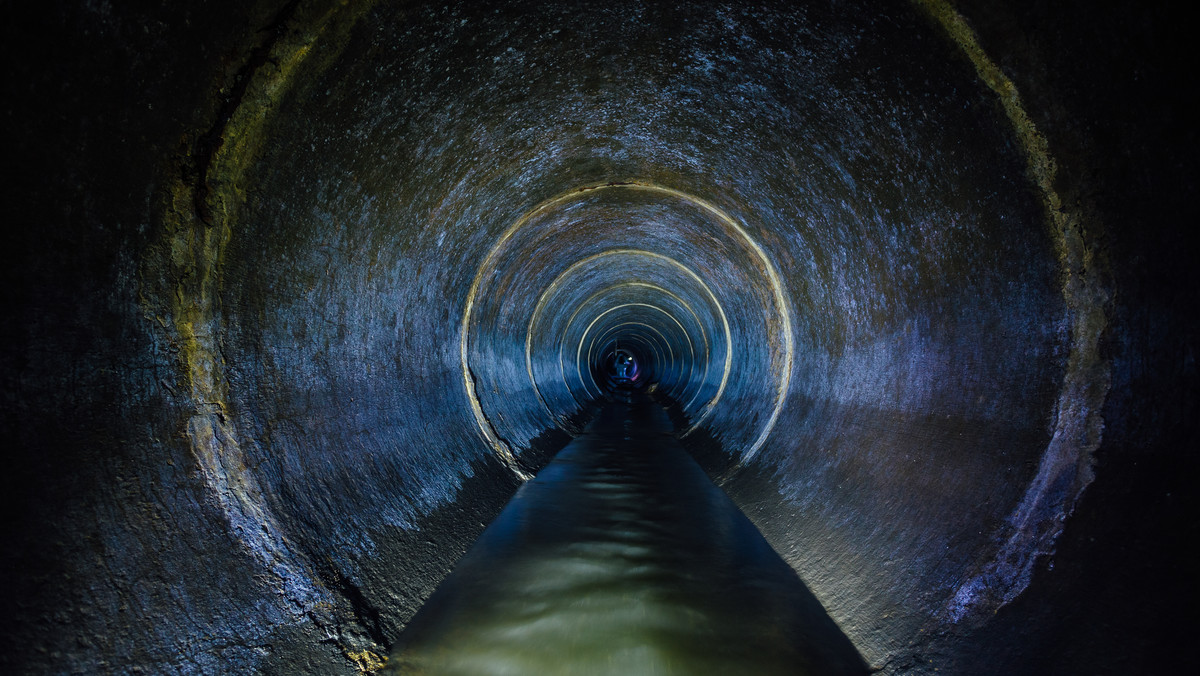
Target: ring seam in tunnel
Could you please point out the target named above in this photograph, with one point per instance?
(711, 405)
(595, 339)
(543, 299)
(586, 331)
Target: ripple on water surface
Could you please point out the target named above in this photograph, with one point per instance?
(622, 557)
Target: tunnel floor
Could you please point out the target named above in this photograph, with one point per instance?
(622, 557)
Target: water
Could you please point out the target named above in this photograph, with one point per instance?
(622, 557)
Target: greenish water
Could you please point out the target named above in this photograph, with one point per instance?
(622, 557)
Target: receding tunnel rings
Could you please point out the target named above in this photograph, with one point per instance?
(610, 289)
(758, 278)
(579, 355)
(666, 363)
(664, 354)
(682, 303)
(674, 264)
(636, 331)
(637, 339)
(659, 348)
(650, 349)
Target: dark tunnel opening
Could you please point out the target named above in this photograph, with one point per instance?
(888, 305)
(622, 368)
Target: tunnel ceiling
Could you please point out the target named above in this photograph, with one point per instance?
(396, 258)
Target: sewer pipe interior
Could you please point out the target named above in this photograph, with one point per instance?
(450, 219)
(397, 252)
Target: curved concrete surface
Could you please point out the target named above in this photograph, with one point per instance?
(303, 292)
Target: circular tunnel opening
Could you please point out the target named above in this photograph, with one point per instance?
(419, 244)
(807, 265)
(624, 368)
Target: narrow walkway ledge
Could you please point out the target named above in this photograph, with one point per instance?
(622, 557)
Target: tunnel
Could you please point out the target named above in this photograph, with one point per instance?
(302, 298)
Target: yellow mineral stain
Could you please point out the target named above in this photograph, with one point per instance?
(191, 253)
(367, 661)
(1079, 424)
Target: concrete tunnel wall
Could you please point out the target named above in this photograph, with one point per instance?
(309, 288)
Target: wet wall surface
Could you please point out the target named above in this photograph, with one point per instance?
(306, 291)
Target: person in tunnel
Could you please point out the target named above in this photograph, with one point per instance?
(625, 367)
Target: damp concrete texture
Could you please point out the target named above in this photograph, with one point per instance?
(298, 295)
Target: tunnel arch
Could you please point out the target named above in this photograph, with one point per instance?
(704, 216)
(835, 360)
(366, 251)
(615, 331)
(703, 297)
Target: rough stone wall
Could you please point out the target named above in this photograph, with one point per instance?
(241, 437)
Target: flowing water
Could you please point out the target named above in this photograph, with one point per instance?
(622, 557)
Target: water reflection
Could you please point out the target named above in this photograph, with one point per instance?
(621, 557)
